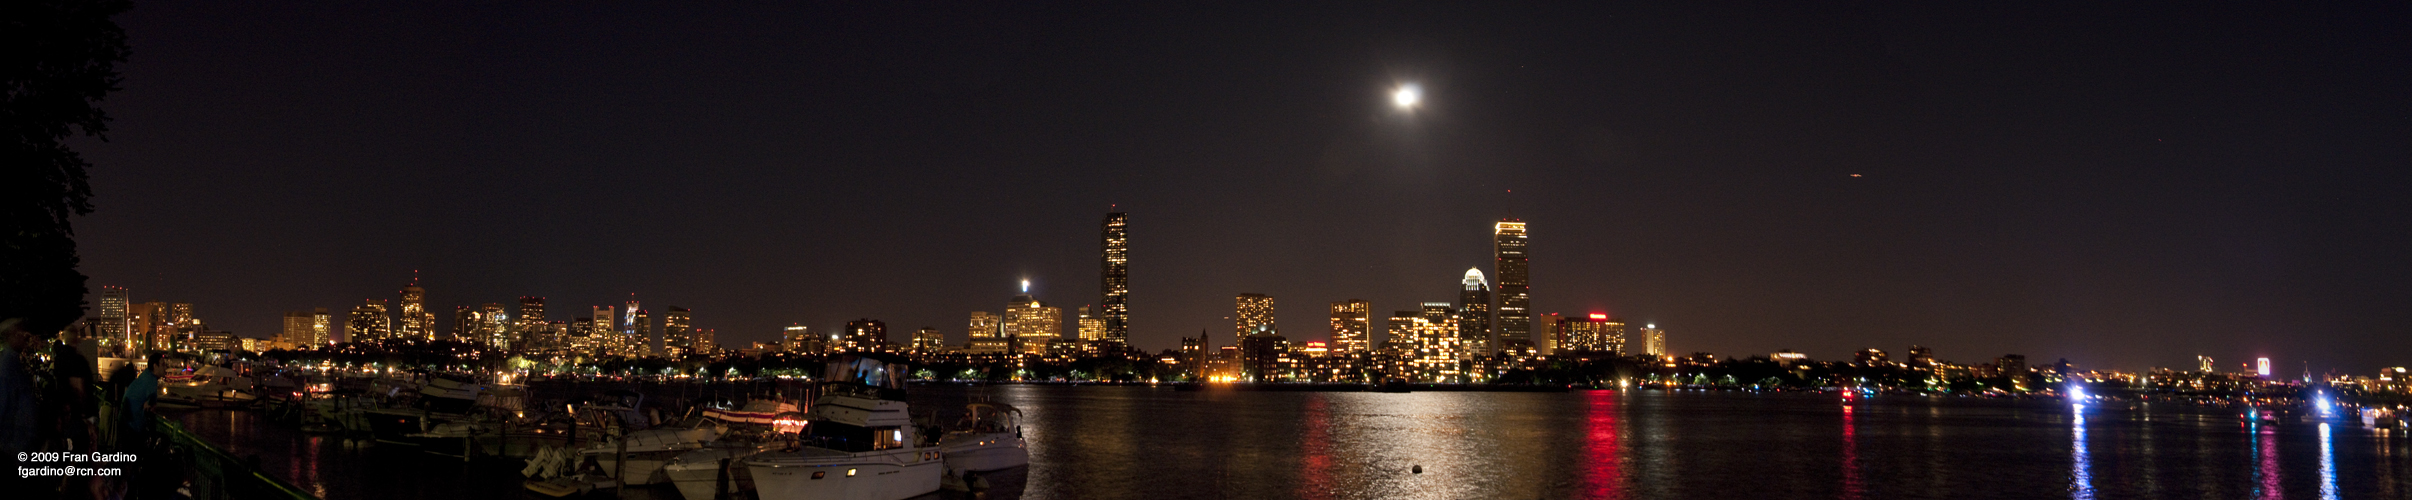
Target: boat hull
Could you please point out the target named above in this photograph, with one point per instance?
(988, 454)
(894, 476)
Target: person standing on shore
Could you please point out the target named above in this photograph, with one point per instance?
(18, 427)
(139, 395)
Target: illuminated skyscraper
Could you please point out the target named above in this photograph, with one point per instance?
(1352, 325)
(985, 325)
(628, 318)
(1654, 340)
(322, 327)
(1597, 333)
(2203, 364)
(1253, 316)
(1515, 280)
(1552, 338)
(112, 318)
(297, 330)
(637, 342)
(467, 323)
(866, 335)
(417, 322)
(929, 340)
(707, 341)
(1092, 327)
(1117, 277)
(368, 323)
(677, 337)
(1430, 350)
(800, 339)
(496, 332)
(144, 320)
(1474, 314)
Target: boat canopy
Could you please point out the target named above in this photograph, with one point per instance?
(866, 371)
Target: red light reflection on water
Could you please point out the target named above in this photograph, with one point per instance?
(1603, 478)
(1315, 462)
(1850, 480)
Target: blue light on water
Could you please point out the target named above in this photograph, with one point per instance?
(2081, 466)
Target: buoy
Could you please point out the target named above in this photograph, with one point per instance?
(1419, 468)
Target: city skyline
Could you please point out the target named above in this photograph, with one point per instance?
(1824, 178)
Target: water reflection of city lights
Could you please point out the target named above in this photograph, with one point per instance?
(2328, 465)
(2081, 465)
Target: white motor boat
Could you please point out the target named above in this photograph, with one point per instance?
(696, 473)
(647, 450)
(991, 440)
(210, 387)
(859, 444)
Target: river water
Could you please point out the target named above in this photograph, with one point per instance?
(1107, 442)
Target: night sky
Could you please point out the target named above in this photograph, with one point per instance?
(2125, 186)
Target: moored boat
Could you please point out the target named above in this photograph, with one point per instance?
(990, 440)
(859, 444)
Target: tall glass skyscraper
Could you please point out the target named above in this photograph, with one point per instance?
(417, 323)
(1117, 279)
(1474, 314)
(1515, 282)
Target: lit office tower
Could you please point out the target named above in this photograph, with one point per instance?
(1597, 333)
(1474, 314)
(496, 332)
(1034, 322)
(1515, 281)
(1253, 316)
(606, 322)
(297, 330)
(929, 340)
(707, 341)
(465, 323)
(578, 336)
(1654, 340)
(866, 335)
(532, 332)
(637, 342)
(1351, 323)
(628, 318)
(322, 326)
(1117, 286)
(416, 322)
(112, 319)
(1429, 348)
(143, 320)
(368, 323)
(677, 337)
(1092, 326)
(985, 325)
(800, 339)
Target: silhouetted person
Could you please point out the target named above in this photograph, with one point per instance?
(18, 424)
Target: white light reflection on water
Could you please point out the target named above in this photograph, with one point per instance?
(2328, 465)
(2081, 467)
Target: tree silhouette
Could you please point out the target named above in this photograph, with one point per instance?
(60, 60)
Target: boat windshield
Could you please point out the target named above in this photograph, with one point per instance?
(852, 439)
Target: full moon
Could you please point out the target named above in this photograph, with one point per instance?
(1407, 96)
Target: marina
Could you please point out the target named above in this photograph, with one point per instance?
(1108, 441)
